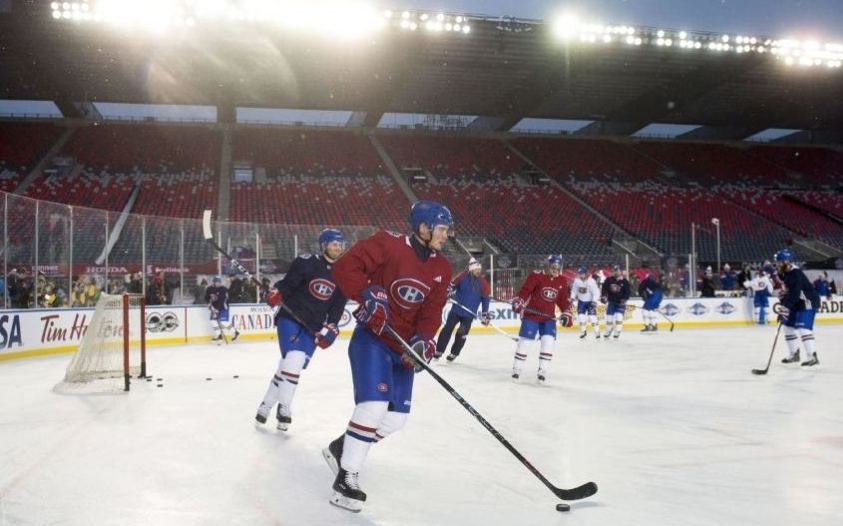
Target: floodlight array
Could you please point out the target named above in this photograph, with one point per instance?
(342, 17)
(808, 53)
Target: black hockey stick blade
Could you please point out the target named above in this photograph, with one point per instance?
(580, 492)
(759, 371)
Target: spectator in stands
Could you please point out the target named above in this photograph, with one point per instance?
(727, 278)
(634, 281)
(2, 292)
(61, 297)
(156, 293)
(745, 275)
(707, 288)
(77, 295)
(235, 289)
(199, 292)
(137, 283)
(92, 293)
(822, 286)
(267, 284)
(47, 299)
(18, 289)
(832, 287)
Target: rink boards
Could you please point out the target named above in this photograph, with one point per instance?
(37, 332)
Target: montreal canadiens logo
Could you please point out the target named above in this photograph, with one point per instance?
(549, 294)
(725, 308)
(408, 293)
(670, 310)
(322, 288)
(382, 387)
(698, 309)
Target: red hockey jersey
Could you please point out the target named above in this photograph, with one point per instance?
(417, 289)
(543, 293)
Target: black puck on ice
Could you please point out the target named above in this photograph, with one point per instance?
(563, 507)
(236, 376)
(160, 385)
(207, 379)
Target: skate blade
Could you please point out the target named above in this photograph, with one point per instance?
(331, 460)
(282, 427)
(340, 501)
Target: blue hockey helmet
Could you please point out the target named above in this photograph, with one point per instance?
(554, 259)
(330, 234)
(617, 268)
(430, 213)
(785, 254)
(582, 270)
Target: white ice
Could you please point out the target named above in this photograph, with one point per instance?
(673, 428)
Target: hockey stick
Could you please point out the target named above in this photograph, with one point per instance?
(209, 237)
(672, 325)
(473, 315)
(580, 492)
(773, 350)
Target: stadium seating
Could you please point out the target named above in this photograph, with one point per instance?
(22, 145)
(820, 166)
(313, 153)
(716, 164)
(452, 156)
(519, 217)
(662, 217)
(105, 191)
(587, 159)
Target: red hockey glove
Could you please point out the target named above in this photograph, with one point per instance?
(518, 306)
(273, 297)
(566, 319)
(327, 335)
(425, 347)
(485, 319)
(374, 311)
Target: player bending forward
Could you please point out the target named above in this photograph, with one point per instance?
(651, 293)
(536, 302)
(470, 290)
(309, 290)
(615, 292)
(799, 303)
(761, 288)
(400, 282)
(216, 296)
(586, 293)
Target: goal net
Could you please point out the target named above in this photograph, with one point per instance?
(113, 348)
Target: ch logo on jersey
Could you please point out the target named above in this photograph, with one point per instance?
(322, 288)
(615, 288)
(582, 290)
(726, 308)
(408, 293)
(698, 309)
(670, 310)
(549, 294)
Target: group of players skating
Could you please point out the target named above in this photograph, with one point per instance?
(402, 283)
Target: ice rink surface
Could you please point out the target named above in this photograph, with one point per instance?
(673, 428)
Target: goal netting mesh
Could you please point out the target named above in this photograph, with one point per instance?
(112, 348)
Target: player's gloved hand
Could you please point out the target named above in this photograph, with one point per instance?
(273, 297)
(485, 319)
(604, 299)
(783, 312)
(518, 306)
(374, 311)
(566, 319)
(327, 335)
(425, 347)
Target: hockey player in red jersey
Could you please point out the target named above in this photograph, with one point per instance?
(542, 292)
(400, 281)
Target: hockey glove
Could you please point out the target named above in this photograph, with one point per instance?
(273, 297)
(783, 313)
(327, 335)
(518, 306)
(374, 311)
(566, 319)
(424, 347)
(485, 319)
(604, 299)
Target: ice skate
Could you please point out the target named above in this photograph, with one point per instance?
(262, 414)
(812, 362)
(347, 492)
(333, 454)
(791, 359)
(284, 417)
(451, 357)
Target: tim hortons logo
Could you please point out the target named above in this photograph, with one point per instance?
(408, 293)
(549, 294)
(322, 289)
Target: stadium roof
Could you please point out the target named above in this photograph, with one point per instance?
(503, 71)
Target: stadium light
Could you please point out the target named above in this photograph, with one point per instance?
(566, 26)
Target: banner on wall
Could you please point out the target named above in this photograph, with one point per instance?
(46, 331)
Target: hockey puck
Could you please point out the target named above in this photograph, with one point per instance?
(236, 376)
(160, 385)
(563, 507)
(207, 379)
